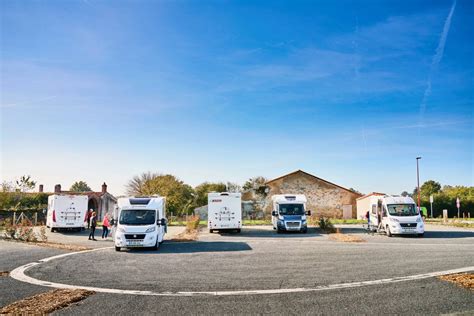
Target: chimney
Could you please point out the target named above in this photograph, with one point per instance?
(104, 188)
(57, 188)
(40, 188)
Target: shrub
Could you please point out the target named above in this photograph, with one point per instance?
(192, 223)
(10, 228)
(25, 231)
(43, 236)
(326, 225)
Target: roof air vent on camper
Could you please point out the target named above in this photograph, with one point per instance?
(139, 201)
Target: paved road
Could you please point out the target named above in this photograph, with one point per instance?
(259, 259)
(12, 255)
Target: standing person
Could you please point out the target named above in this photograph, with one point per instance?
(89, 215)
(93, 222)
(105, 226)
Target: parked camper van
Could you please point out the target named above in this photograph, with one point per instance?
(66, 211)
(289, 213)
(224, 211)
(141, 222)
(395, 215)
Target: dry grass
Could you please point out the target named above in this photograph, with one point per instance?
(70, 247)
(4, 273)
(186, 236)
(465, 280)
(345, 238)
(191, 232)
(45, 303)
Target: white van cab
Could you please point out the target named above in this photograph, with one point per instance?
(396, 215)
(141, 222)
(289, 213)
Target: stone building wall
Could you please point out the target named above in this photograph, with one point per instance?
(324, 198)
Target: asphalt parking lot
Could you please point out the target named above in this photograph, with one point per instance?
(186, 277)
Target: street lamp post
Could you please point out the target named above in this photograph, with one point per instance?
(418, 181)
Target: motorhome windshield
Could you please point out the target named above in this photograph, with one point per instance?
(291, 209)
(137, 217)
(402, 210)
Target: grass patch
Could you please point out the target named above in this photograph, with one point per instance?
(465, 280)
(4, 273)
(183, 223)
(45, 303)
(452, 222)
(191, 232)
(348, 221)
(256, 222)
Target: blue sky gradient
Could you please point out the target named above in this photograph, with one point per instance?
(225, 90)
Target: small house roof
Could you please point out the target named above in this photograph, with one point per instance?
(370, 194)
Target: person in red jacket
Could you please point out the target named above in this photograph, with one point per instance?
(105, 226)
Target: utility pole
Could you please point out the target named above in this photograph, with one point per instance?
(418, 181)
(431, 202)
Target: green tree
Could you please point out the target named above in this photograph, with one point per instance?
(428, 188)
(405, 194)
(256, 184)
(25, 184)
(203, 189)
(6, 186)
(233, 187)
(80, 186)
(179, 196)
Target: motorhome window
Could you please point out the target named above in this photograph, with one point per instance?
(291, 209)
(374, 209)
(137, 217)
(402, 209)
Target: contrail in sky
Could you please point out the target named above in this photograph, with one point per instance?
(436, 60)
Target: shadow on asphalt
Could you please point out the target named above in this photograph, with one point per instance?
(195, 246)
(266, 233)
(85, 232)
(428, 234)
(448, 234)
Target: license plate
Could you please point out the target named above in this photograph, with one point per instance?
(69, 223)
(135, 243)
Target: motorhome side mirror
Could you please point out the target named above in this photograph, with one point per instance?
(274, 213)
(163, 222)
(308, 213)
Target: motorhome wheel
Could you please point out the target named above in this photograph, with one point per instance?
(389, 233)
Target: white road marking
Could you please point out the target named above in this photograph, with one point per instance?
(19, 274)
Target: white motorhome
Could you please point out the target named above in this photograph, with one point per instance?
(66, 211)
(141, 222)
(395, 215)
(289, 213)
(224, 211)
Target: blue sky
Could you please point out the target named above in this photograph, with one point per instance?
(225, 90)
